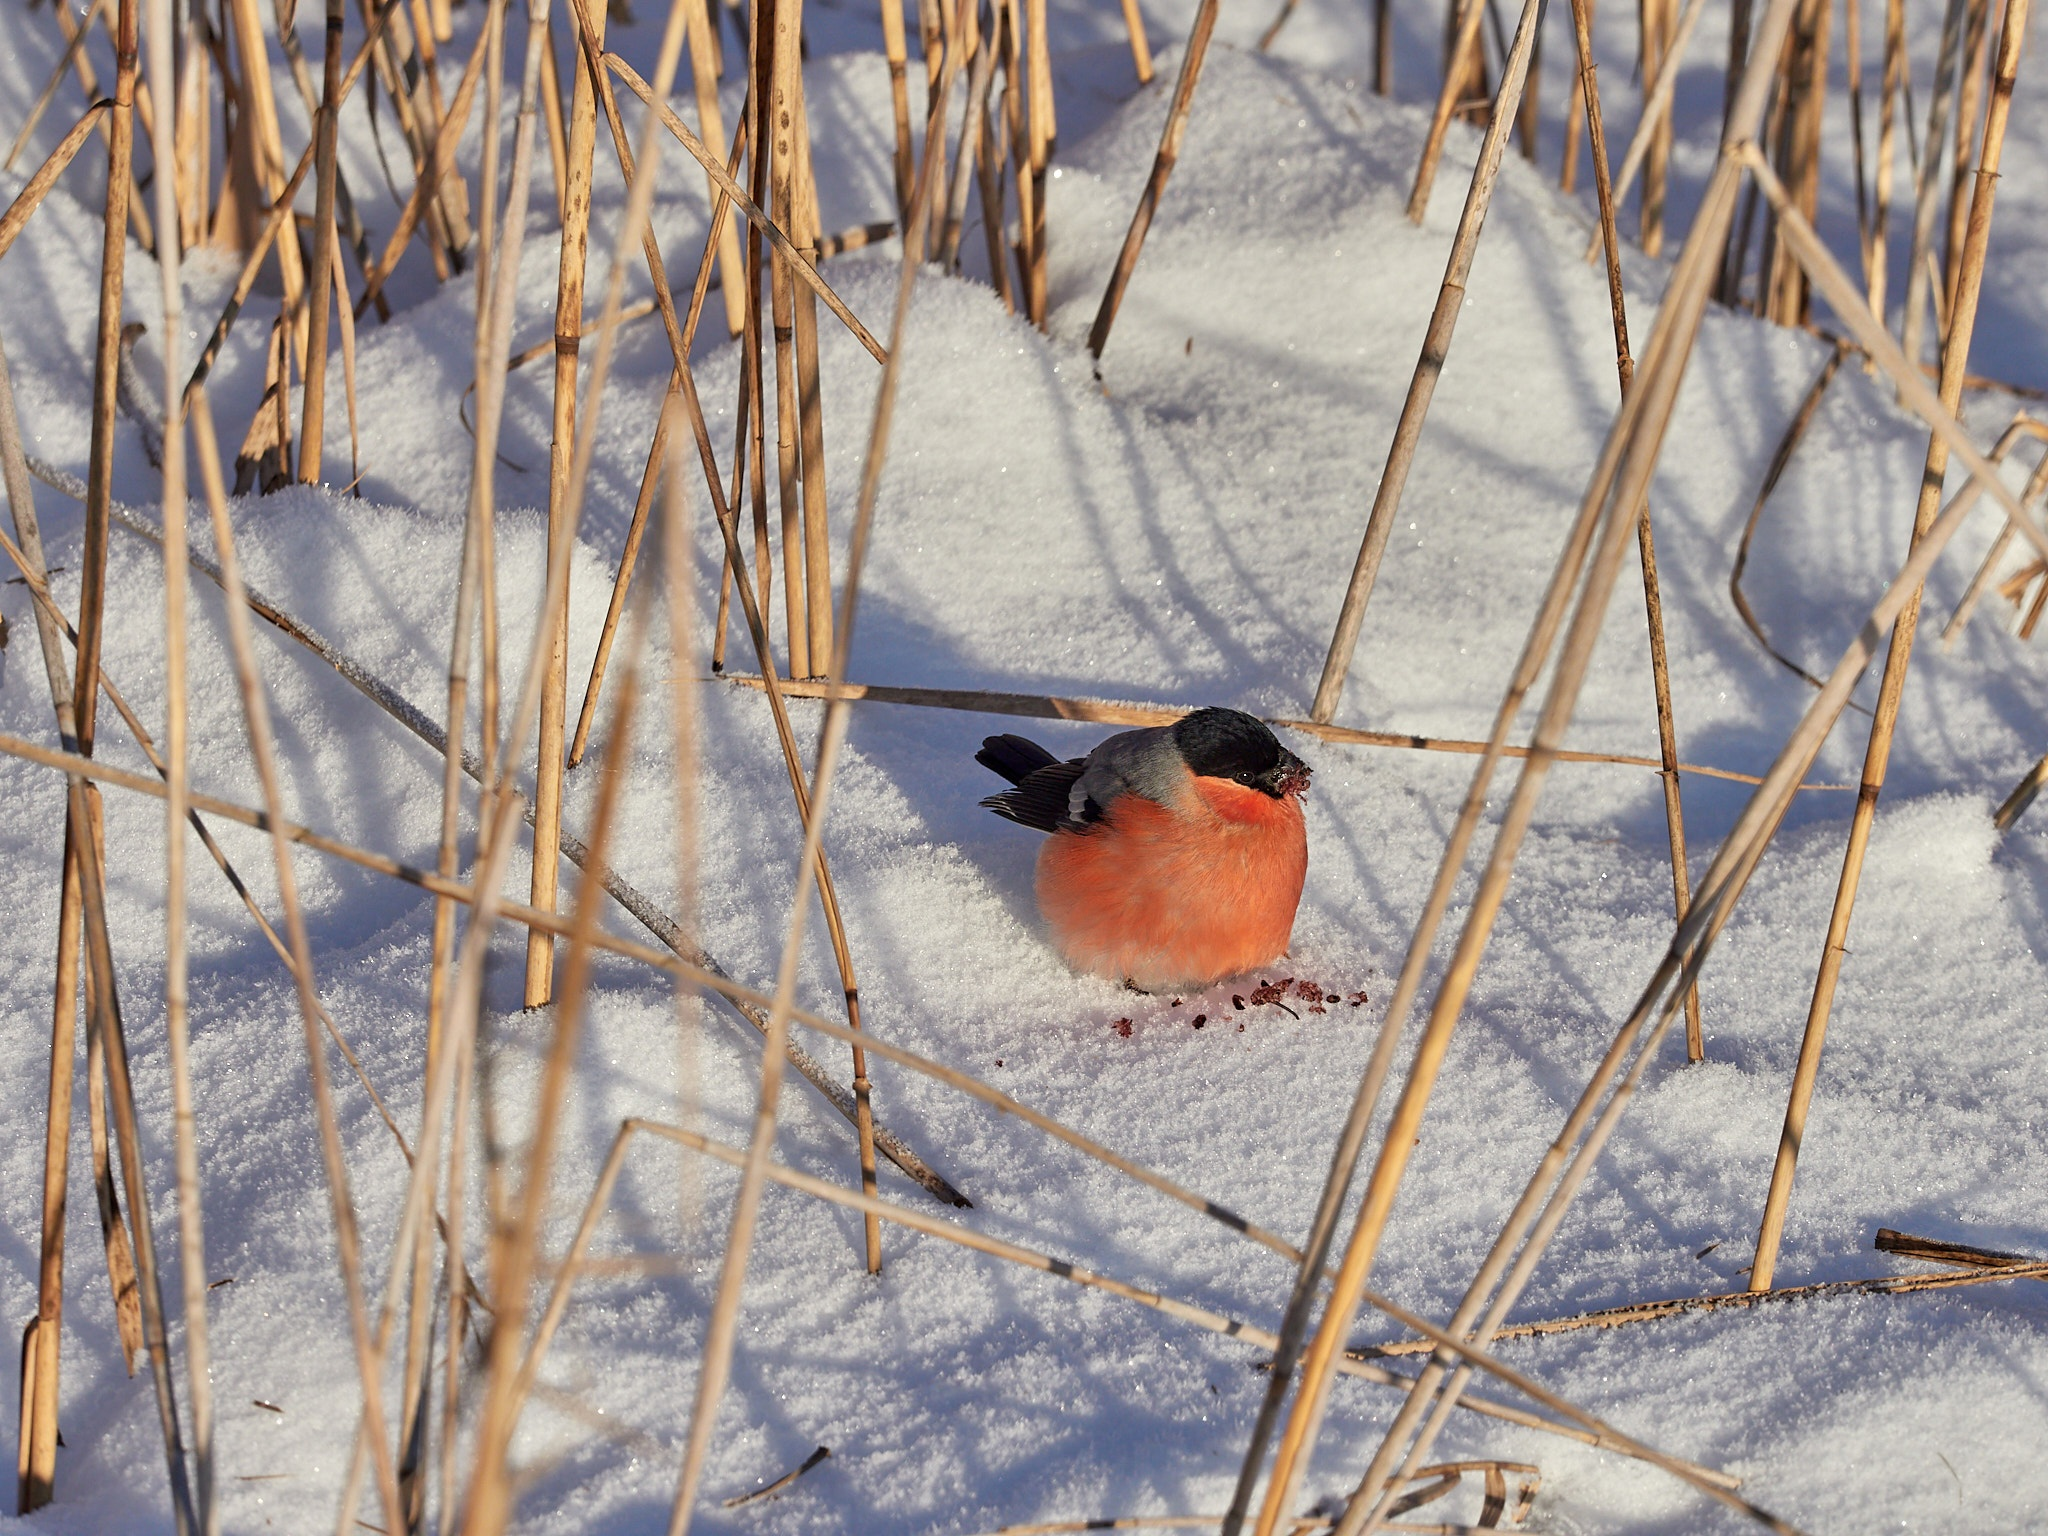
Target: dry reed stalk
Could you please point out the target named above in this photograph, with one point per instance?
(326, 126)
(1576, 1426)
(105, 1038)
(557, 119)
(138, 205)
(777, 78)
(344, 204)
(516, 1234)
(711, 124)
(1661, 51)
(1969, 100)
(1436, 347)
(1653, 602)
(42, 1347)
(1623, 474)
(1462, 41)
(970, 155)
(120, 1250)
(809, 400)
(575, 247)
(1110, 712)
(1927, 184)
(1803, 93)
(895, 48)
(256, 712)
(1781, 459)
(177, 1017)
(636, 529)
(30, 198)
(721, 1328)
(436, 172)
(1893, 85)
(1652, 127)
(49, 91)
(1141, 46)
(993, 165)
(1731, 869)
(348, 362)
(2021, 425)
(410, 77)
(1987, 1269)
(804, 271)
(415, 720)
(258, 140)
(1163, 160)
(2014, 806)
(1954, 353)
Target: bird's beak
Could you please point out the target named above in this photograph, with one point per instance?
(1289, 776)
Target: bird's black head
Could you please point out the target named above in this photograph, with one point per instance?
(1230, 744)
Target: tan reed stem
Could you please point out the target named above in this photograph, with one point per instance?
(1781, 459)
(802, 268)
(1652, 128)
(1110, 712)
(1576, 1426)
(1141, 46)
(2022, 425)
(1927, 184)
(1163, 161)
(1653, 602)
(258, 138)
(1731, 869)
(809, 399)
(970, 154)
(1969, 99)
(1436, 346)
(711, 123)
(256, 710)
(326, 125)
(1568, 172)
(719, 1338)
(551, 104)
(1877, 261)
(2023, 795)
(1458, 59)
(30, 198)
(1804, 94)
(37, 1458)
(177, 1019)
(1620, 480)
(575, 249)
(435, 174)
(1954, 354)
(776, 77)
(1661, 51)
(49, 91)
(895, 48)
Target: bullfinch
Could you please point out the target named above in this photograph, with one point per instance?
(1176, 854)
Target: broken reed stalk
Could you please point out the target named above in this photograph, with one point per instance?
(256, 716)
(1620, 478)
(177, 1013)
(1038, 706)
(326, 126)
(720, 1331)
(1927, 183)
(1163, 160)
(1726, 879)
(42, 1346)
(1954, 354)
(1436, 346)
(1652, 128)
(30, 198)
(1574, 1425)
(1653, 602)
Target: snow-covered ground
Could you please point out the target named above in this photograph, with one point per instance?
(1178, 532)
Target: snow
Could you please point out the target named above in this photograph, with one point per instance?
(1179, 531)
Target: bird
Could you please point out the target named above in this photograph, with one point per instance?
(1176, 854)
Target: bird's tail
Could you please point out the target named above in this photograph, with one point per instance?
(1014, 757)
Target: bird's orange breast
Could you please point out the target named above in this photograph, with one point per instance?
(1179, 896)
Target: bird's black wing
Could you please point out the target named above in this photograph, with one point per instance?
(1014, 757)
(1042, 799)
